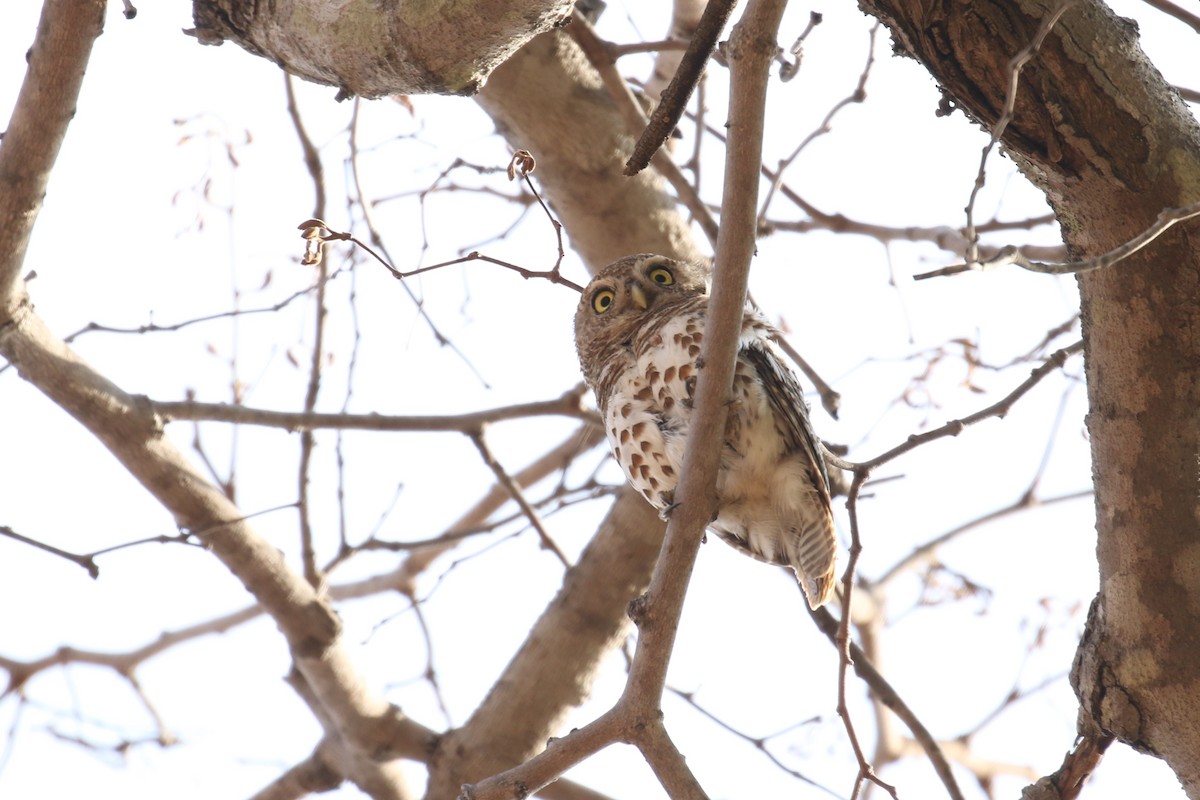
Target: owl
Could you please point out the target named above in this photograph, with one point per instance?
(638, 330)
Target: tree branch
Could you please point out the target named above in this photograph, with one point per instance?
(45, 106)
(568, 405)
(674, 99)
(1012, 255)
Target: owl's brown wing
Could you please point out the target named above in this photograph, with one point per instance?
(787, 399)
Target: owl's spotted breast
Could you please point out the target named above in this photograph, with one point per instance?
(649, 407)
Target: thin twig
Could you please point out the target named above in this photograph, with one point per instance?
(633, 48)
(599, 53)
(857, 96)
(758, 742)
(518, 495)
(842, 641)
(831, 400)
(1167, 7)
(1010, 103)
(955, 427)
(790, 69)
(567, 405)
(317, 233)
(368, 211)
(943, 236)
(1012, 255)
(87, 561)
(887, 695)
(674, 99)
(312, 160)
(1026, 501)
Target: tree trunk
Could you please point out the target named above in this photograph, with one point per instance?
(1112, 145)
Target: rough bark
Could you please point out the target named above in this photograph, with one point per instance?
(373, 49)
(1112, 145)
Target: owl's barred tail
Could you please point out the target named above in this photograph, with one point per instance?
(812, 554)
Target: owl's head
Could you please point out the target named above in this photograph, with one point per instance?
(624, 297)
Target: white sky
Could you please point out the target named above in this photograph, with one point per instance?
(116, 245)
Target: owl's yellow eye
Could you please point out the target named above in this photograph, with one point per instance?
(662, 276)
(602, 300)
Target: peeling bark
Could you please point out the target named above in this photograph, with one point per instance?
(1111, 144)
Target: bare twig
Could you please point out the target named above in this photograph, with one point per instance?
(831, 400)
(1010, 102)
(632, 48)
(790, 69)
(1012, 255)
(947, 238)
(842, 640)
(557, 458)
(368, 211)
(887, 695)
(568, 405)
(312, 156)
(1167, 7)
(955, 427)
(758, 742)
(86, 560)
(674, 99)
(1026, 501)
(312, 160)
(316, 234)
(518, 495)
(153, 327)
(599, 53)
(857, 96)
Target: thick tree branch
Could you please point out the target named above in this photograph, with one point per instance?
(30, 146)
(373, 51)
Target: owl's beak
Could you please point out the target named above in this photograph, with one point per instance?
(639, 296)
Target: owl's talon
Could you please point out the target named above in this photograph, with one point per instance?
(665, 513)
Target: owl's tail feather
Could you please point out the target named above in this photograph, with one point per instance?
(812, 553)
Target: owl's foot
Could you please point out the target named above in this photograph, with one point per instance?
(665, 513)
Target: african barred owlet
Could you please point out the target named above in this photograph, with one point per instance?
(637, 331)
